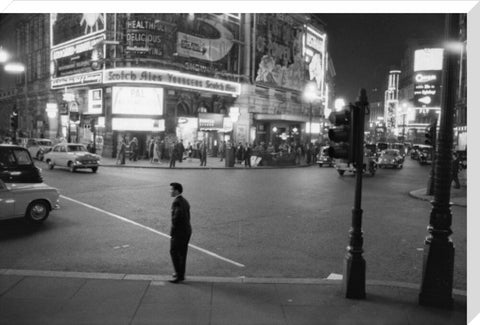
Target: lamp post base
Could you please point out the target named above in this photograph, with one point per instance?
(436, 288)
(354, 276)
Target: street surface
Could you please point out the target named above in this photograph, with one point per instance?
(290, 222)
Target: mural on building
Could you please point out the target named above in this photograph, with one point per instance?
(279, 51)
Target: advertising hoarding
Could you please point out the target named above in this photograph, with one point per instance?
(76, 57)
(138, 124)
(278, 46)
(95, 102)
(426, 88)
(428, 59)
(137, 100)
(210, 121)
(68, 27)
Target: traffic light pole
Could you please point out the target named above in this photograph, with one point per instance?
(354, 264)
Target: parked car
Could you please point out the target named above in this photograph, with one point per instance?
(73, 156)
(323, 159)
(17, 166)
(390, 158)
(38, 147)
(30, 201)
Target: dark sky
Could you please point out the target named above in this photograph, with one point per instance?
(364, 47)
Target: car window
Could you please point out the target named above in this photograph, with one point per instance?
(6, 158)
(22, 157)
(76, 148)
(45, 143)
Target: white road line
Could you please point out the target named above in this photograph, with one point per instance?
(151, 229)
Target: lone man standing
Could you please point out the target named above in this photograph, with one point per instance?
(180, 232)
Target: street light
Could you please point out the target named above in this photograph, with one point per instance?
(15, 67)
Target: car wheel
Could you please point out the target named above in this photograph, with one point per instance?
(37, 211)
(341, 172)
(50, 164)
(71, 167)
(320, 165)
(400, 166)
(94, 169)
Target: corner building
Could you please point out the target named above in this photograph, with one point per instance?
(193, 77)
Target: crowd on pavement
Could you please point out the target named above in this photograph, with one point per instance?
(158, 151)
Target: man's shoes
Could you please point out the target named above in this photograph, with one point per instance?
(177, 280)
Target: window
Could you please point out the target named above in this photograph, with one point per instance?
(22, 157)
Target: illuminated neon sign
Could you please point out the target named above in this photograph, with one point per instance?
(170, 78)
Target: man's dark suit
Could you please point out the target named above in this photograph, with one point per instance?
(180, 232)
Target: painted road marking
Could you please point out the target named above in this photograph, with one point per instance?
(152, 230)
(335, 276)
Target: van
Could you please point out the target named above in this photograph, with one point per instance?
(17, 166)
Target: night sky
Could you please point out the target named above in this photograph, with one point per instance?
(364, 47)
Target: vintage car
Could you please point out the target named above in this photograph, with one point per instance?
(74, 156)
(17, 166)
(390, 158)
(38, 147)
(369, 165)
(425, 155)
(323, 159)
(30, 201)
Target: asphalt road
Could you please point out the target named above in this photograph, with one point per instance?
(255, 223)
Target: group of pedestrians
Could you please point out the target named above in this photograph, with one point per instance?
(130, 148)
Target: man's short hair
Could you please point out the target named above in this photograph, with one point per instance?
(177, 186)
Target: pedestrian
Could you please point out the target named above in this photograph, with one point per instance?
(240, 152)
(180, 232)
(173, 154)
(248, 155)
(152, 150)
(133, 149)
(189, 151)
(122, 152)
(180, 150)
(161, 149)
(151, 147)
(221, 150)
(203, 154)
(455, 167)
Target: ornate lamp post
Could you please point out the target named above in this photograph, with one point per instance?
(439, 251)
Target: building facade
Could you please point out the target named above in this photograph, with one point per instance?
(189, 77)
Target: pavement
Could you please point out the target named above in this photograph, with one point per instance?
(46, 297)
(56, 297)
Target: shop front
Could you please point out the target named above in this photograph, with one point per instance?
(279, 128)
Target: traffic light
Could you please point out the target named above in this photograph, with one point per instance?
(431, 134)
(342, 134)
(14, 120)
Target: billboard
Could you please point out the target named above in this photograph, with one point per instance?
(278, 51)
(428, 59)
(76, 57)
(427, 77)
(67, 27)
(426, 88)
(137, 101)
